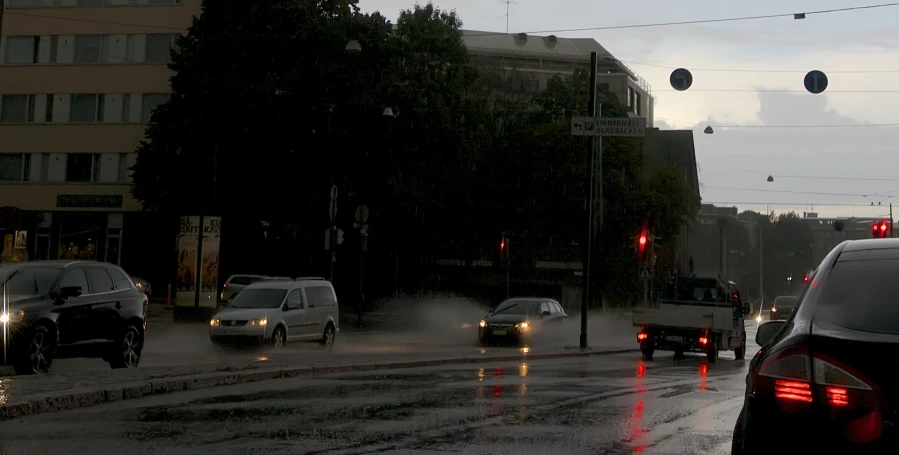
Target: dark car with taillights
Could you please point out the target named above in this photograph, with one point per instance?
(519, 318)
(54, 309)
(828, 375)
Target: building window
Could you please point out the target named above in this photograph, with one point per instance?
(88, 48)
(90, 2)
(86, 108)
(45, 167)
(126, 108)
(152, 101)
(48, 114)
(14, 167)
(126, 161)
(165, 2)
(22, 49)
(82, 167)
(159, 47)
(24, 3)
(17, 108)
(636, 103)
(630, 97)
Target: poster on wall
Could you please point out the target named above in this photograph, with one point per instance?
(209, 271)
(188, 243)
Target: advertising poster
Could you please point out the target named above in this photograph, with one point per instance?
(212, 229)
(187, 243)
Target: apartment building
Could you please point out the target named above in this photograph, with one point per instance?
(541, 58)
(78, 82)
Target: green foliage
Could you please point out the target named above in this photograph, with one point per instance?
(269, 110)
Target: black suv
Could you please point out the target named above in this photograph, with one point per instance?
(69, 309)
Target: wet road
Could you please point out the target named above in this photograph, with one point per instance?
(171, 344)
(601, 405)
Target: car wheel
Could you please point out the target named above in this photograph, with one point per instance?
(740, 353)
(736, 446)
(711, 352)
(279, 337)
(127, 349)
(39, 355)
(329, 336)
(647, 351)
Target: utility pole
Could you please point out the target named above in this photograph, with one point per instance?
(891, 220)
(761, 269)
(591, 187)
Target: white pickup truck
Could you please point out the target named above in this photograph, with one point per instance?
(696, 314)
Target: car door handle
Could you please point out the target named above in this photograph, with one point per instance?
(118, 305)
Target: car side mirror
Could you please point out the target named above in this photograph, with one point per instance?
(291, 306)
(67, 292)
(767, 331)
(545, 313)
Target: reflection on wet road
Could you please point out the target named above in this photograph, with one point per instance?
(610, 404)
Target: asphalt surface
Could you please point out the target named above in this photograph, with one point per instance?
(614, 404)
(170, 344)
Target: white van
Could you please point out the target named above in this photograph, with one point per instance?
(278, 312)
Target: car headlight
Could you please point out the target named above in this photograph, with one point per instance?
(12, 316)
(215, 322)
(758, 319)
(483, 323)
(259, 322)
(523, 325)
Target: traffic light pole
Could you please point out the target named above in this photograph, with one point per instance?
(591, 189)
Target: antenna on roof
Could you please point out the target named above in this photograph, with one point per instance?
(508, 3)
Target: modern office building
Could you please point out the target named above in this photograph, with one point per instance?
(539, 58)
(78, 81)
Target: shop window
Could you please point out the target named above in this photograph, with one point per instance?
(78, 236)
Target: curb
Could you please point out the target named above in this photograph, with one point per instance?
(78, 398)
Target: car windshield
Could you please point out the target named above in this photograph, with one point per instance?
(515, 307)
(861, 295)
(259, 298)
(27, 281)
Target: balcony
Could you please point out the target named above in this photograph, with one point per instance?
(70, 137)
(85, 78)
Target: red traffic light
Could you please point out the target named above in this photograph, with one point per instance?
(642, 239)
(880, 230)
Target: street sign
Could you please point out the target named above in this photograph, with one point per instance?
(332, 208)
(815, 82)
(328, 238)
(646, 273)
(361, 216)
(608, 127)
(681, 79)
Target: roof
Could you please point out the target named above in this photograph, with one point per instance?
(60, 263)
(871, 244)
(544, 46)
(285, 284)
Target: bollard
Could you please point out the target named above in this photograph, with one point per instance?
(168, 298)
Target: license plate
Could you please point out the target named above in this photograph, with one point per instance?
(499, 332)
(675, 339)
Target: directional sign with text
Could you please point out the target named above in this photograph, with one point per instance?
(610, 127)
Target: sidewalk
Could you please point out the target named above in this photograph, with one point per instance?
(27, 395)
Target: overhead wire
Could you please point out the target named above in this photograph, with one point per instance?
(745, 70)
(799, 15)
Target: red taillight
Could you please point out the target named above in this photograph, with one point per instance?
(793, 391)
(837, 396)
(703, 340)
(642, 336)
(798, 380)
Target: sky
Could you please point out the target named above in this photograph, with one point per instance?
(840, 170)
